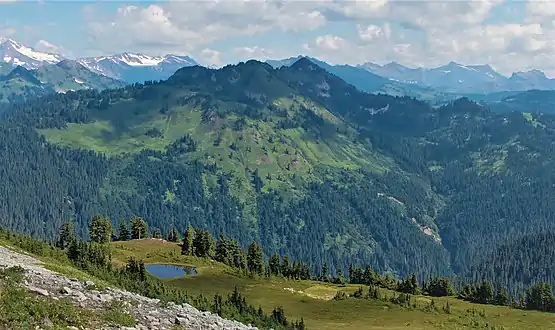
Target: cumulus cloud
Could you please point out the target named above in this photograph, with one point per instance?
(419, 33)
(211, 57)
(412, 32)
(373, 32)
(186, 25)
(254, 52)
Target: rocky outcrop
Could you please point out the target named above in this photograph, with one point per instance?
(149, 313)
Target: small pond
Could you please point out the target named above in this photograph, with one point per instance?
(170, 271)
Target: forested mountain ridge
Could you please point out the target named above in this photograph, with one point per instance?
(293, 157)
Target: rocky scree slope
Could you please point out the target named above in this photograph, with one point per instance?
(148, 313)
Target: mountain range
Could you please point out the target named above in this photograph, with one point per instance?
(445, 82)
(133, 68)
(457, 78)
(439, 84)
(125, 67)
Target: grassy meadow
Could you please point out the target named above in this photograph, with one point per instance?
(314, 300)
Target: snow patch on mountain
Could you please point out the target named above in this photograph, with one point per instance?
(134, 67)
(17, 54)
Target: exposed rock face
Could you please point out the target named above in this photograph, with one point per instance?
(149, 313)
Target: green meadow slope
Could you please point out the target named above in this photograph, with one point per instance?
(19, 83)
(314, 301)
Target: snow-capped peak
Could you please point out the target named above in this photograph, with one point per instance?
(15, 53)
(132, 59)
(136, 67)
(137, 59)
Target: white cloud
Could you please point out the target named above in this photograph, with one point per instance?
(254, 52)
(210, 57)
(185, 25)
(373, 32)
(412, 32)
(332, 43)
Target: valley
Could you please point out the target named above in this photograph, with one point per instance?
(284, 165)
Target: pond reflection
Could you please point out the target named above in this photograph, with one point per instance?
(170, 271)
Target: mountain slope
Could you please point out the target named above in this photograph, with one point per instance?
(517, 264)
(367, 81)
(294, 157)
(243, 151)
(66, 75)
(15, 54)
(462, 79)
(532, 101)
(69, 75)
(133, 68)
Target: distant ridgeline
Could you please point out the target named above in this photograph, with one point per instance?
(298, 160)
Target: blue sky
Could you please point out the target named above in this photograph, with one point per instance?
(511, 36)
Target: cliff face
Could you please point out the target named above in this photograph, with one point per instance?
(138, 312)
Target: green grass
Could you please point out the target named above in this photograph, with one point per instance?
(115, 314)
(20, 310)
(313, 300)
(530, 117)
(286, 159)
(56, 261)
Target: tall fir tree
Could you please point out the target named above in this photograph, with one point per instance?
(156, 233)
(325, 273)
(255, 259)
(139, 228)
(66, 235)
(203, 244)
(275, 264)
(223, 254)
(173, 235)
(123, 231)
(100, 229)
(188, 239)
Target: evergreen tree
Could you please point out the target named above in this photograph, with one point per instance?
(123, 231)
(203, 244)
(439, 287)
(255, 259)
(501, 297)
(274, 264)
(139, 228)
(100, 229)
(188, 238)
(540, 297)
(285, 266)
(223, 252)
(340, 279)
(409, 285)
(173, 235)
(325, 273)
(66, 235)
(370, 277)
(484, 293)
(156, 233)
(238, 255)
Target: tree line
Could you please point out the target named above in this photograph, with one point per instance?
(200, 243)
(94, 257)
